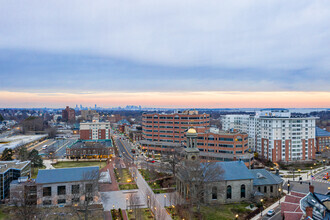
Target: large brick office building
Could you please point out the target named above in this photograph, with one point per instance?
(171, 127)
(163, 133)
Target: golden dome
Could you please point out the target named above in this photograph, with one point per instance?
(191, 131)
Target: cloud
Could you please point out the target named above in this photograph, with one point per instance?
(186, 45)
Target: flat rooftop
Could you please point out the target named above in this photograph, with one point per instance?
(15, 164)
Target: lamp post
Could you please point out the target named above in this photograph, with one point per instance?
(279, 196)
(165, 201)
(261, 200)
(324, 164)
(126, 203)
(288, 188)
(236, 216)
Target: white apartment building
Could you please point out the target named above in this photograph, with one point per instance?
(277, 135)
(95, 130)
(243, 123)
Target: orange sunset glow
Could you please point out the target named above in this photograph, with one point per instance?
(170, 99)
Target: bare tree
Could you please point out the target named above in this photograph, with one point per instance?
(84, 195)
(171, 161)
(23, 197)
(133, 202)
(198, 177)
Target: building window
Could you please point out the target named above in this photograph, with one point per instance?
(75, 189)
(47, 191)
(75, 200)
(61, 201)
(47, 202)
(265, 189)
(243, 191)
(259, 189)
(61, 190)
(89, 188)
(228, 192)
(271, 189)
(214, 193)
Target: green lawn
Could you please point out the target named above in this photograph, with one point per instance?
(224, 212)
(123, 176)
(143, 214)
(70, 164)
(3, 215)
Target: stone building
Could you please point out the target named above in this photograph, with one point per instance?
(228, 182)
(67, 186)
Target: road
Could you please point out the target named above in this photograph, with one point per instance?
(57, 146)
(277, 215)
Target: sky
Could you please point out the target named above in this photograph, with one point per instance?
(188, 53)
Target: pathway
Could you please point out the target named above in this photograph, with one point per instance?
(48, 164)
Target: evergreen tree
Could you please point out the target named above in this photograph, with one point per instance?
(35, 158)
(7, 154)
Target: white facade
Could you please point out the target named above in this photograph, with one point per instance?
(96, 126)
(243, 123)
(275, 135)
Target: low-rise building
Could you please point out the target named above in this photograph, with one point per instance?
(90, 149)
(322, 139)
(9, 171)
(67, 186)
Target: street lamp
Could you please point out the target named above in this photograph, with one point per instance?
(288, 188)
(236, 216)
(261, 200)
(165, 200)
(126, 203)
(279, 195)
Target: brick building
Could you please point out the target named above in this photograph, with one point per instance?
(276, 134)
(171, 127)
(95, 130)
(68, 114)
(90, 150)
(322, 138)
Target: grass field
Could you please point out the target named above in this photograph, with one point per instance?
(124, 179)
(70, 164)
(143, 214)
(224, 212)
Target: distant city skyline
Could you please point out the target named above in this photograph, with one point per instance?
(165, 53)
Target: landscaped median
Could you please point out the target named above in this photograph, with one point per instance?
(124, 179)
(158, 182)
(143, 214)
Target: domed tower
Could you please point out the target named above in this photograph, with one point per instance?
(191, 150)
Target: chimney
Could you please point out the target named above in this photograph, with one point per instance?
(311, 189)
(309, 212)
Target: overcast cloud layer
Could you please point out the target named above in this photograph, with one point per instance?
(188, 45)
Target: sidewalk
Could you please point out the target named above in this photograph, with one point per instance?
(48, 164)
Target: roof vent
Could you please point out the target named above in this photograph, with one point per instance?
(260, 176)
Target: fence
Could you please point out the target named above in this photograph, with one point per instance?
(151, 199)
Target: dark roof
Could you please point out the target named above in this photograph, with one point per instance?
(321, 133)
(235, 170)
(66, 174)
(263, 177)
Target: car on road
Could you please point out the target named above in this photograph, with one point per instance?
(271, 212)
(151, 161)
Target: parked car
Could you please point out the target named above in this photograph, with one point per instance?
(271, 212)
